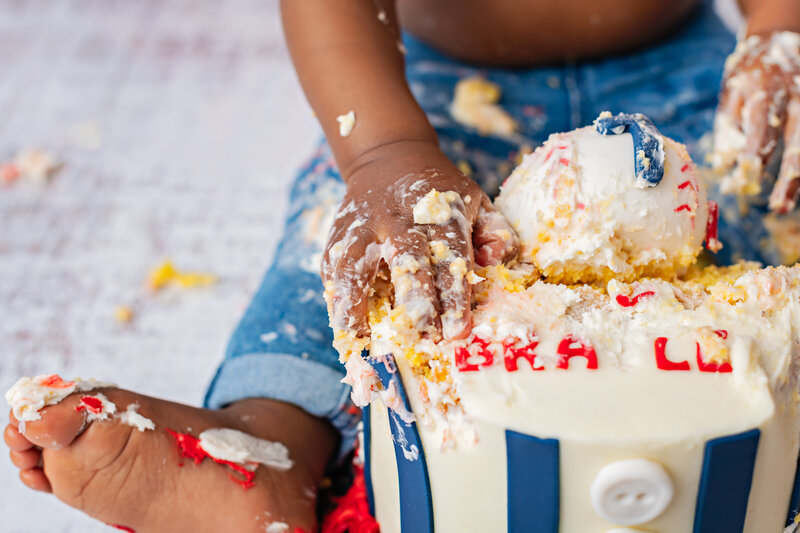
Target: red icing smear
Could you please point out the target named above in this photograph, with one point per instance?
(564, 161)
(54, 381)
(723, 333)
(627, 301)
(189, 447)
(685, 167)
(9, 172)
(91, 404)
(712, 237)
(687, 183)
(351, 514)
(684, 207)
(122, 528)
(580, 206)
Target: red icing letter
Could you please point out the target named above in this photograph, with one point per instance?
(463, 355)
(511, 354)
(566, 351)
(711, 367)
(661, 357)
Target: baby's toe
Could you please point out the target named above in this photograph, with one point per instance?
(15, 440)
(58, 426)
(27, 459)
(35, 479)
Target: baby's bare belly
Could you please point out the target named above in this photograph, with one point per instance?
(523, 32)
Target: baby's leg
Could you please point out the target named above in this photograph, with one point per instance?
(283, 347)
(280, 354)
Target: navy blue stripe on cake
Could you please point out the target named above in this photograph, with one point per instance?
(367, 421)
(794, 501)
(416, 506)
(725, 482)
(533, 483)
(648, 144)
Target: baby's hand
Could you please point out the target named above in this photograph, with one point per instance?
(429, 250)
(759, 103)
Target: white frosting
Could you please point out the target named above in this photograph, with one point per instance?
(36, 164)
(238, 447)
(132, 418)
(577, 209)
(29, 395)
(434, 207)
(277, 527)
(346, 123)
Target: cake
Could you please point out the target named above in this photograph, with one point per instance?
(585, 209)
(618, 387)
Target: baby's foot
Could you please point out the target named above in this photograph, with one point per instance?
(138, 480)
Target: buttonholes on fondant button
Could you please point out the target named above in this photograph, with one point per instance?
(631, 492)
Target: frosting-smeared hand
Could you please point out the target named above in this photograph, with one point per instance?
(759, 104)
(407, 205)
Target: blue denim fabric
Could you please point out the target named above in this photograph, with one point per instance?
(282, 347)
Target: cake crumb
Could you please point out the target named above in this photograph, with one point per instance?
(475, 104)
(166, 274)
(123, 314)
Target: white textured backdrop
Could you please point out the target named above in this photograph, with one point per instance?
(180, 124)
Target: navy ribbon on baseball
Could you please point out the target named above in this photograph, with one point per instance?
(648, 145)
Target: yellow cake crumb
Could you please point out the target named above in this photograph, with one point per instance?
(123, 314)
(475, 105)
(166, 274)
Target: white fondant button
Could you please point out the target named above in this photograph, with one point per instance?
(631, 492)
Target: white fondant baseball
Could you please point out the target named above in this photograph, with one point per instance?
(631, 492)
(580, 214)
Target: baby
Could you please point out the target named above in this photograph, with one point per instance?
(393, 138)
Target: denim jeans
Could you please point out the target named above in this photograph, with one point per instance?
(282, 349)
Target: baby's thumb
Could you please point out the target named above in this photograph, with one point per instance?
(493, 238)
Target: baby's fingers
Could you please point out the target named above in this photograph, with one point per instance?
(413, 281)
(784, 195)
(493, 238)
(728, 137)
(451, 253)
(761, 124)
(356, 263)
